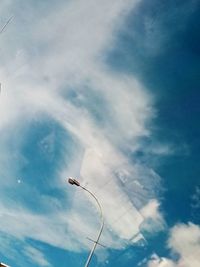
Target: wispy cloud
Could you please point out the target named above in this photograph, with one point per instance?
(54, 68)
(156, 25)
(36, 255)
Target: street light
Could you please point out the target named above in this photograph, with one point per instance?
(73, 181)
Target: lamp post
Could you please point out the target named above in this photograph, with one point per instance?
(73, 181)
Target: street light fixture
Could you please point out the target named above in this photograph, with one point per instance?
(73, 181)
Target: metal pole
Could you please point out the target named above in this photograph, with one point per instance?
(100, 230)
(75, 182)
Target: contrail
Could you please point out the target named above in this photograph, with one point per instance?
(5, 25)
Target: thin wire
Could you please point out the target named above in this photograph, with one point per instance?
(5, 25)
(121, 194)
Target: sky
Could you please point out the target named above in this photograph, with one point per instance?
(106, 92)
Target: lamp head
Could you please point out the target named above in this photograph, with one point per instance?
(73, 181)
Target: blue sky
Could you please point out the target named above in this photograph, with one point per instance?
(108, 92)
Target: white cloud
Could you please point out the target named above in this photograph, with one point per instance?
(64, 51)
(185, 240)
(27, 253)
(160, 262)
(154, 220)
(151, 210)
(36, 255)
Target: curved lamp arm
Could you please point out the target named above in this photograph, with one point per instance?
(72, 181)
